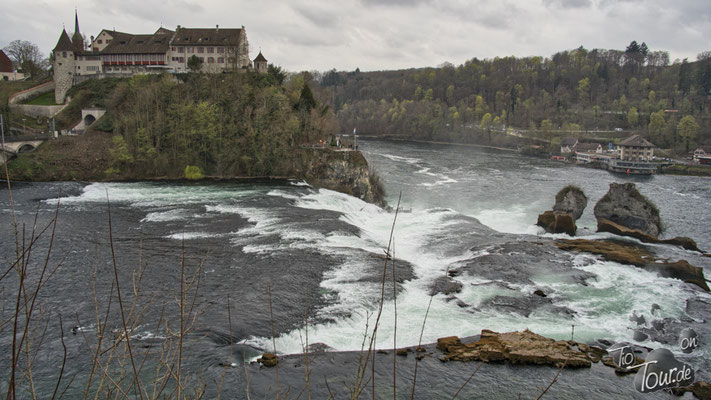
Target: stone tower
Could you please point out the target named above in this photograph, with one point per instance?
(64, 66)
(260, 63)
(65, 56)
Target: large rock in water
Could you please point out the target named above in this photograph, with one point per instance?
(626, 206)
(557, 222)
(571, 200)
(518, 348)
(569, 205)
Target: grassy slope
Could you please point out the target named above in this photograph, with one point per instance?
(67, 158)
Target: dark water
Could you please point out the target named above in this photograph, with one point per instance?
(319, 254)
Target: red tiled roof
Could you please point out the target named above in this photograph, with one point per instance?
(206, 37)
(636, 141)
(126, 43)
(5, 62)
(64, 43)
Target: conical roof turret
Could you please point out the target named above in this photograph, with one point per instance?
(77, 38)
(64, 43)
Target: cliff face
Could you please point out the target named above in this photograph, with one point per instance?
(342, 171)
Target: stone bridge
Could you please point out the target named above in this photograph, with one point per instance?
(15, 145)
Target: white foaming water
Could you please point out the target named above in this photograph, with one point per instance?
(603, 307)
(193, 235)
(143, 194)
(177, 214)
(409, 160)
(513, 219)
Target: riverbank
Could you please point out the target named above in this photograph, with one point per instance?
(423, 375)
(90, 158)
(401, 139)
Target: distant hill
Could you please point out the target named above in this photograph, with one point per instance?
(571, 93)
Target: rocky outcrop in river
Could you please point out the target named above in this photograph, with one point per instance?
(343, 171)
(569, 205)
(624, 205)
(625, 253)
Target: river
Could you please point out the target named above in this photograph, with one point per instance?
(317, 255)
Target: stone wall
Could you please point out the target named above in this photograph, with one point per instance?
(31, 92)
(63, 75)
(37, 111)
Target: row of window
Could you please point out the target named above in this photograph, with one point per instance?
(210, 60)
(199, 49)
(132, 57)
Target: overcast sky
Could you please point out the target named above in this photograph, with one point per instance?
(385, 34)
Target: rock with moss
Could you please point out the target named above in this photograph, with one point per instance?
(569, 205)
(571, 200)
(557, 222)
(626, 206)
(344, 171)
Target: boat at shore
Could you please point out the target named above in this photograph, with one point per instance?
(614, 164)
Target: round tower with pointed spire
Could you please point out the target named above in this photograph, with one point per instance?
(65, 53)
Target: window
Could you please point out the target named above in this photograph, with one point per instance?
(99, 41)
(201, 49)
(182, 59)
(64, 54)
(220, 49)
(210, 49)
(191, 49)
(211, 60)
(109, 69)
(220, 60)
(173, 49)
(202, 59)
(181, 49)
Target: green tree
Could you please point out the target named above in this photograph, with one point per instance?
(688, 128)
(194, 63)
(429, 95)
(632, 117)
(546, 125)
(656, 125)
(450, 95)
(486, 121)
(584, 89)
(479, 107)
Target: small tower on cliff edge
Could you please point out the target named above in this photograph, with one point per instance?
(260, 63)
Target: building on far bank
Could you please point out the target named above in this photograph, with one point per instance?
(588, 148)
(7, 72)
(118, 53)
(567, 144)
(636, 148)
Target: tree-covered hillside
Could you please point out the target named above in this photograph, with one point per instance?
(571, 93)
(227, 125)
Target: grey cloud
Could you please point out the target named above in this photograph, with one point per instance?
(320, 17)
(564, 4)
(398, 3)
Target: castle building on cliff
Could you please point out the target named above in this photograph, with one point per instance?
(114, 53)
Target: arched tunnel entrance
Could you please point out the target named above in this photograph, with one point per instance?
(25, 148)
(88, 120)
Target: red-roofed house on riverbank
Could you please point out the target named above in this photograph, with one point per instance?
(7, 72)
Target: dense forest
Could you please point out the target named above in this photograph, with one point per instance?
(238, 124)
(586, 93)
